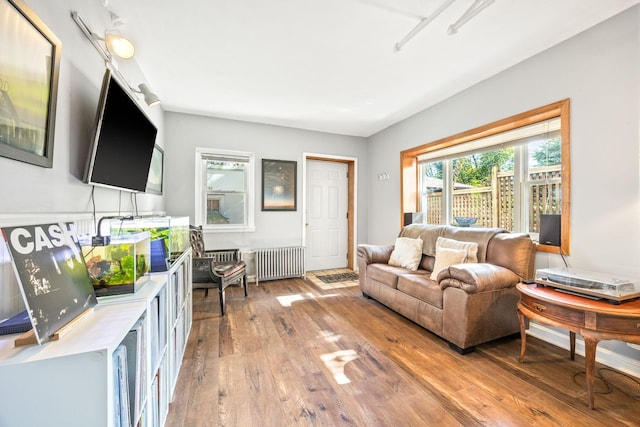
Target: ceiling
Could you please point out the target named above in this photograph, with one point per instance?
(331, 65)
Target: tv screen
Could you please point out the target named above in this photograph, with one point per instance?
(123, 142)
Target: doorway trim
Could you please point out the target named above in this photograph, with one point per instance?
(352, 200)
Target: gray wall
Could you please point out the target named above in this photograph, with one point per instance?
(599, 71)
(31, 190)
(185, 132)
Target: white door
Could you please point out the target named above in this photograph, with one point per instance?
(326, 225)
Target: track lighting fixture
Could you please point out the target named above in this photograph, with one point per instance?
(114, 42)
(149, 97)
(477, 7)
(423, 23)
(119, 44)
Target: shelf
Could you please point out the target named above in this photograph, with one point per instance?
(71, 382)
(87, 335)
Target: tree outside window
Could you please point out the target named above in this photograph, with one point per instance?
(507, 184)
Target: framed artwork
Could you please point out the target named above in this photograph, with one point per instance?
(29, 67)
(154, 181)
(279, 185)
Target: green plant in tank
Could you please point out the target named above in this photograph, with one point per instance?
(125, 269)
(125, 273)
(141, 266)
(154, 233)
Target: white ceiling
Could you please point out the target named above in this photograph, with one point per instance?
(331, 65)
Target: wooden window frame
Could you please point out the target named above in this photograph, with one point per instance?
(409, 179)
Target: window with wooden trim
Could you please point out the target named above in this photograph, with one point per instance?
(505, 174)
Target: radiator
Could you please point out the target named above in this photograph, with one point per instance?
(223, 255)
(280, 263)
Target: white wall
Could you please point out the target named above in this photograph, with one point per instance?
(32, 194)
(185, 132)
(599, 71)
(32, 190)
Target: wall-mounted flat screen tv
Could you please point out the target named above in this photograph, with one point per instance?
(123, 142)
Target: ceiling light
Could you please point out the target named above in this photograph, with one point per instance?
(104, 49)
(119, 44)
(149, 97)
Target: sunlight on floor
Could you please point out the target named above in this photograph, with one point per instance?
(336, 361)
(287, 300)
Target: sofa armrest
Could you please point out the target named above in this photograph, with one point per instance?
(477, 277)
(373, 254)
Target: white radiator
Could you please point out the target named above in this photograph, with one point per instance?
(223, 255)
(280, 263)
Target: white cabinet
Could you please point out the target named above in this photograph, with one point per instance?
(70, 382)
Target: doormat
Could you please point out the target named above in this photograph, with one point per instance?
(335, 278)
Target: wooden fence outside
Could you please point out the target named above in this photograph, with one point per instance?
(494, 206)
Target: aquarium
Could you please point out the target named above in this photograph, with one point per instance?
(119, 267)
(173, 230)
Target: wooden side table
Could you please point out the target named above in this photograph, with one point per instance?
(595, 320)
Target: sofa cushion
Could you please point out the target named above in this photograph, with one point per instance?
(471, 248)
(482, 236)
(446, 258)
(422, 287)
(385, 274)
(406, 253)
(427, 263)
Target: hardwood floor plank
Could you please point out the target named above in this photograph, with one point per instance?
(204, 377)
(296, 354)
(234, 407)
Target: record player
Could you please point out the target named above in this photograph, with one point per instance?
(589, 284)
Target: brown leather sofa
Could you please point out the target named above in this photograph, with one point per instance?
(469, 303)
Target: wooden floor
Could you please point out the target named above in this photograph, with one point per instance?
(294, 354)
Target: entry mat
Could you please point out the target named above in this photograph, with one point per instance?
(342, 277)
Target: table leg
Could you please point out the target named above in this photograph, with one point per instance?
(572, 344)
(523, 335)
(590, 345)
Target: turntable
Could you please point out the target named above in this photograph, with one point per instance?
(589, 284)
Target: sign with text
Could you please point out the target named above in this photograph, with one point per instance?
(53, 277)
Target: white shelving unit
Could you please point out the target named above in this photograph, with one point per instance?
(70, 382)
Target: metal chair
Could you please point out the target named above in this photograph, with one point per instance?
(216, 268)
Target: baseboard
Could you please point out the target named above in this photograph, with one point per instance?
(605, 356)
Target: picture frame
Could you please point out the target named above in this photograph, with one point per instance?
(29, 71)
(156, 172)
(279, 186)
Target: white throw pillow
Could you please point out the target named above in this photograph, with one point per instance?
(470, 248)
(445, 258)
(407, 253)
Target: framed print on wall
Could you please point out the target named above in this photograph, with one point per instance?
(154, 181)
(279, 185)
(29, 67)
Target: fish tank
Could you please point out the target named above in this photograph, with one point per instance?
(120, 267)
(174, 231)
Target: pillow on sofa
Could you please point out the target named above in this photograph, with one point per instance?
(445, 258)
(407, 253)
(471, 248)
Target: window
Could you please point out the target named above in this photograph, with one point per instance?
(225, 190)
(504, 175)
